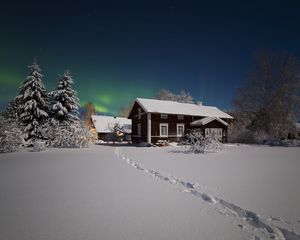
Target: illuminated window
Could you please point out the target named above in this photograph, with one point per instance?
(214, 132)
(180, 130)
(163, 129)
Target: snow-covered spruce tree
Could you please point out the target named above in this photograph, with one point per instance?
(10, 135)
(33, 105)
(11, 111)
(65, 101)
(199, 144)
(65, 129)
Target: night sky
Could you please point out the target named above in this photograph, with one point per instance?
(119, 50)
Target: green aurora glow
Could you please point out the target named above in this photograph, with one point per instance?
(120, 50)
(108, 96)
(9, 82)
(109, 101)
(9, 79)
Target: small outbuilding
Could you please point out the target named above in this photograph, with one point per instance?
(103, 125)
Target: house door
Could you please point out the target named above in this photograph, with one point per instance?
(139, 129)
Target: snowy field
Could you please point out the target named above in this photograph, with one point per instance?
(241, 192)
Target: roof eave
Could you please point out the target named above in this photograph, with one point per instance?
(200, 123)
(140, 104)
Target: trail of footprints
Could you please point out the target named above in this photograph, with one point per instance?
(262, 228)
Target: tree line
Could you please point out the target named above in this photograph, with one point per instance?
(266, 107)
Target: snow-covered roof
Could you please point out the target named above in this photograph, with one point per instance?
(206, 120)
(101, 123)
(170, 107)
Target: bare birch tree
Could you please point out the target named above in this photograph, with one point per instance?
(183, 97)
(267, 105)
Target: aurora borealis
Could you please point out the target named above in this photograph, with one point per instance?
(119, 50)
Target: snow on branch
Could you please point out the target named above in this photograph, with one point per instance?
(198, 143)
(10, 135)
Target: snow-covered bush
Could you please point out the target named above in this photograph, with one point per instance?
(199, 144)
(10, 135)
(283, 143)
(65, 135)
(39, 146)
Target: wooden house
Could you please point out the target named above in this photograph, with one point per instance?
(103, 124)
(154, 120)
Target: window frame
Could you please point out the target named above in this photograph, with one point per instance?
(160, 131)
(180, 117)
(183, 128)
(217, 131)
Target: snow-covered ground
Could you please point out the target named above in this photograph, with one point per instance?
(104, 192)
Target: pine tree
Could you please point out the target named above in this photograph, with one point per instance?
(11, 111)
(65, 129)
(65, 101)
(33, 103)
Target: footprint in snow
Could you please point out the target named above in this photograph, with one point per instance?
(246, 216)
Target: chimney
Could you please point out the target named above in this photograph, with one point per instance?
(199, 103)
